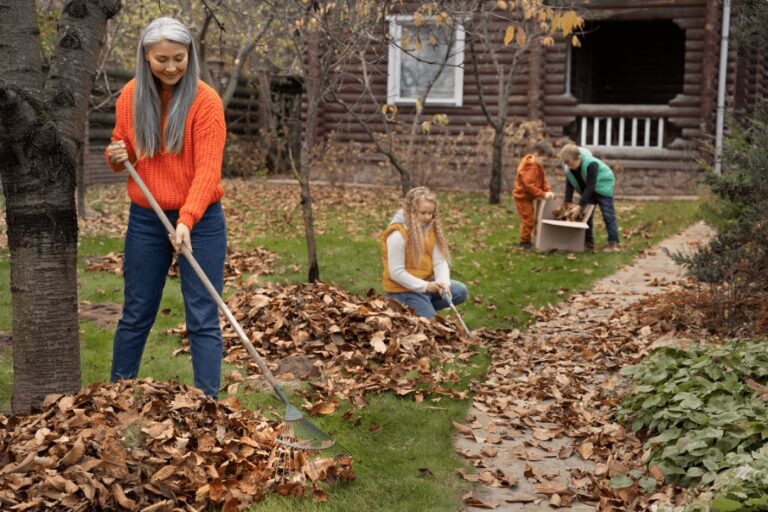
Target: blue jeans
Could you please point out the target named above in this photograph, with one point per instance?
(426, 304)
(609, 216)
(148, 255)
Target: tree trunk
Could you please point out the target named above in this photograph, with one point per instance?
(313, 272)
(494, 195)
(82, 156)
(405, 182)
(39, 137)
(315, 85)
(39, 184)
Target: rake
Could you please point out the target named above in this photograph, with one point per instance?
(298, 432)
(449, 300)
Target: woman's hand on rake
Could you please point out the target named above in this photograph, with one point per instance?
(117, 152)
(181, 239)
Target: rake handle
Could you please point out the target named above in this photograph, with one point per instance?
(448, 298)
(208, 285)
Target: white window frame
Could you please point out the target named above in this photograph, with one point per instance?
(394, 65)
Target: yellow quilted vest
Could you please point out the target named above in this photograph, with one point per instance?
(423, 271)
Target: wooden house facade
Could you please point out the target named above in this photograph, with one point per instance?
(640, 91)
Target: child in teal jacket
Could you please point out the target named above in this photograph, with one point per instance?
(594, 181)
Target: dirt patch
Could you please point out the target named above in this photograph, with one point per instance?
(297, 367)
(105, 314)
(5, 340)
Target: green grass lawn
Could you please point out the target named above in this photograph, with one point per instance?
(403, 455)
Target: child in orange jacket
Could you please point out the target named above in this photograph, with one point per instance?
(530, 184)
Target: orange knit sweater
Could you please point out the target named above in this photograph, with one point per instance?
(191, 180)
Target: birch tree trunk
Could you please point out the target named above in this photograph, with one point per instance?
(41, 128)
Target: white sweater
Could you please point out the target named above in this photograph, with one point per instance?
(396, 261)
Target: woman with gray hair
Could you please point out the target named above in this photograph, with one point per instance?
(171, 127)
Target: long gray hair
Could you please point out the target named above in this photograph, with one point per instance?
(147, 109)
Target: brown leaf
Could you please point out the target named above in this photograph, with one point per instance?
(472, 500)
(586, 450)
(552, 488)
(506, 479)
(74, 455)
(521, 498)
(656, 473)
(319, 495)
(163, 473)
(489, 451)
(487, 478)
(462, 428)
(121, 498)
(323, 409)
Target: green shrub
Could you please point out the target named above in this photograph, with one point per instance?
(742, 488)
(699, 408)
(735, 262)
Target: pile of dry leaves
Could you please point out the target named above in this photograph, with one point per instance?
(258, 261)
(149, 446)
(568, 211)
(357, 345)
(675, 313)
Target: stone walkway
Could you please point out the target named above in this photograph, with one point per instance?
(519, 452)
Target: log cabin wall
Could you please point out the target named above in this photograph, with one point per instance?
(751, 81)
(665, 164)
(670, 134)
(467, 124)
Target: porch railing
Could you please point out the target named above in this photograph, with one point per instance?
(630, 126)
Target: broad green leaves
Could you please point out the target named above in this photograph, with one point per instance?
(698, 409)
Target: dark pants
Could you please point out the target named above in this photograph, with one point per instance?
(609, 216)
(148, 255)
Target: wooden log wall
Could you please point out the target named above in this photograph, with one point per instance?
(468, 119)
(540, 92)
(751, 80)
(694, 105)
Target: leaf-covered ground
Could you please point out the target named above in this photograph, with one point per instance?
(547, 407)
(401, 444)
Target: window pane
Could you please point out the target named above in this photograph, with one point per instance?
(415, 73)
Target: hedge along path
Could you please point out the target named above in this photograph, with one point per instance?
(540, 430)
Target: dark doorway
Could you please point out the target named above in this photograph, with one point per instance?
(628, 62)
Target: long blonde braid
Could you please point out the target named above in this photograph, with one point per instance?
(415, 234)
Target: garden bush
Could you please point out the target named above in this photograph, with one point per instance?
(703, 410)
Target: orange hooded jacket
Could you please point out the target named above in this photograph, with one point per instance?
(531, 182)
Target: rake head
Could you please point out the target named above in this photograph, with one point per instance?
(306, 453)
(301, 434)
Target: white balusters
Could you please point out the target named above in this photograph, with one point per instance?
(647, 132)
(634, 132)
(596, 131)
(660, 134)
(621, 131)
(643, 131)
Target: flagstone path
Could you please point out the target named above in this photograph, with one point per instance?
(521, 456)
